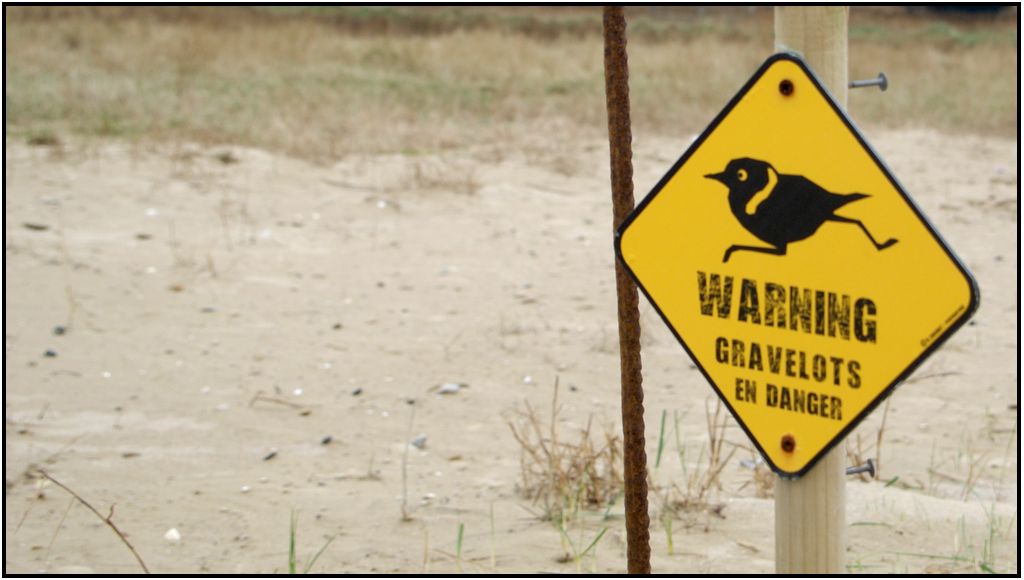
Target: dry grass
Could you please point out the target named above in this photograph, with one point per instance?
(690, 498)
(325, 82)
(564, 475)
(701, 472)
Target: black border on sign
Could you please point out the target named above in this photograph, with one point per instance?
(950, 329)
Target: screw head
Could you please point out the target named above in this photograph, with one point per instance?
(788, 443)
(786, 87)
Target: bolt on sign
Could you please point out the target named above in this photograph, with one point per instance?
(793, 268)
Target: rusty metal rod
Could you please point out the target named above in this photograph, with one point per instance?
(616, 74)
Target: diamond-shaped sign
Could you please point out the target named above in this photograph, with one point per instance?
(793, 268)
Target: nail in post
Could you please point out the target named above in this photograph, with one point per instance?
(868, 468)
(882, 82)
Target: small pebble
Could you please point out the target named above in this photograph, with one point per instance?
(326, 440)
(357, 391)
(271, 455)
(751, 463)
(297, 392)
(527, 380)
(173, 536)
(449, 388)
(59, 330)
(245, 489)
(419, 441)
(50, 353)
(337, 326)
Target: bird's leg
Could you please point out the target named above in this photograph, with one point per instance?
(882, 246)
(778, 251)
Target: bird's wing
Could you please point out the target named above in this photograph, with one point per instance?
(797, 193)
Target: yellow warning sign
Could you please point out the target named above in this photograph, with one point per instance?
(793, 268)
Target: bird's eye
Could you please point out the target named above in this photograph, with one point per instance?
(741, 175)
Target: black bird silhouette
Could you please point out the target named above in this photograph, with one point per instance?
(781, 209)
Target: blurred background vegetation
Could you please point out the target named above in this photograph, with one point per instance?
(323, 82)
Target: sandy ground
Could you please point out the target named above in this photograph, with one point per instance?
(191, 279)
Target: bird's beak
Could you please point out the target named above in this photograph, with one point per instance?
(716, 176)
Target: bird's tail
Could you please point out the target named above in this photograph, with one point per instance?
(842, 199)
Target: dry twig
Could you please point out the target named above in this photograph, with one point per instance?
(259, 396)
(107, 520)
(405, 462)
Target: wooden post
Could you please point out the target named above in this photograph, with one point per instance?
(810, 512)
